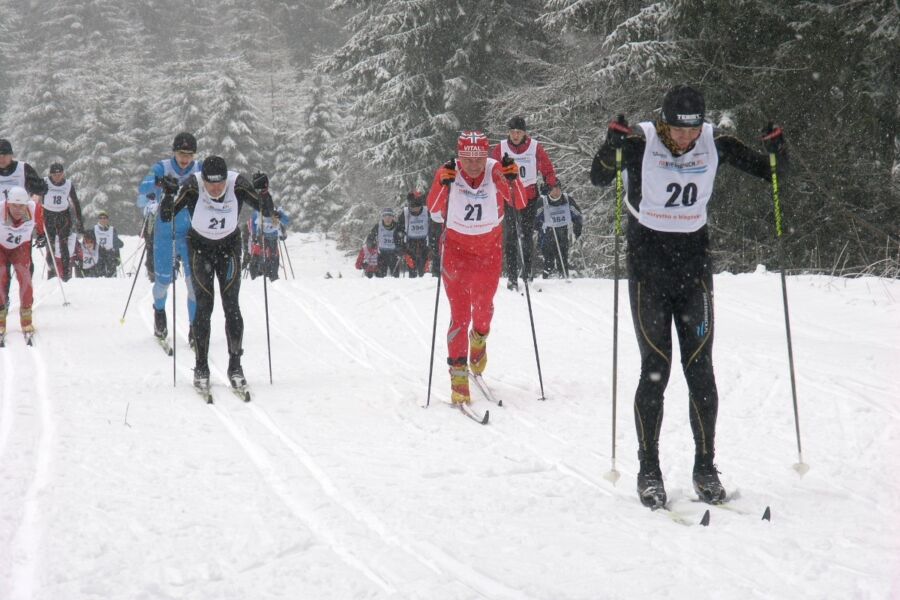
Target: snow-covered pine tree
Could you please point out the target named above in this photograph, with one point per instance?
(418, 72)
(231, 124)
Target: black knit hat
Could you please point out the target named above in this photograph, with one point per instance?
(5, 147)
(214, 169)
(683, 106)
(56, 168)
(516, 122)
(184, 142)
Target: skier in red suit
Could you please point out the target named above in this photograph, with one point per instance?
(472, 200)
(20, 216)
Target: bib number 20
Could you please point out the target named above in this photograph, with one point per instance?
(688, 194)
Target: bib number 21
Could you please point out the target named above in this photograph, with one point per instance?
(217, 223)
(687, 194)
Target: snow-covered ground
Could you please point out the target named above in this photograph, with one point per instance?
(335, 482)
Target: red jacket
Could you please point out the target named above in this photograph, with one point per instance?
(367, 259)
(544, 166)
(507, 193)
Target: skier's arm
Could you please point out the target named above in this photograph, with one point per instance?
(259, 200)
(149, 193)
(603, 167)
(34, 184)
(39, 219)
(545, 167)
(373, 235)
(509, 192)
(737, 154)
(76, 209)
(577, 220)
(186, 196)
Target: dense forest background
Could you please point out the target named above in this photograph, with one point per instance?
(348, 104)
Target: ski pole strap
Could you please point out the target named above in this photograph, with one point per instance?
(773, 165)
(619, 191)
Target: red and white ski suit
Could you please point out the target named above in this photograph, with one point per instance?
(472, 254)
(15, 252)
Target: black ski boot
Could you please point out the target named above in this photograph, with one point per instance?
(201, 377)
(235, 372)
(706, 482)
(650, 486)
(513, 285)
(159, 324)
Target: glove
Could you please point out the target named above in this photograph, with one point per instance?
(447, 173)
(617, 131)
(509, 167)
(169, 184)
(167, 208)
(260, 181)
(410, 262)
(773, 138)
(40, 241)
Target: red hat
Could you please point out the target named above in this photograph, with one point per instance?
(472, 144)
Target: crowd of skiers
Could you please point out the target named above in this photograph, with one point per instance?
(476, 221)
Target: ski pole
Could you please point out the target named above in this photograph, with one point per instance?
(52, 260)
(280, 260)
(437, 293)
(800, 466)
(613, 474)
(537, 356)
(174, 303)
(266, 295)
(562, 263)
(288, 256)
(133, 283)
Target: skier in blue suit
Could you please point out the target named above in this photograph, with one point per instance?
(169, 172)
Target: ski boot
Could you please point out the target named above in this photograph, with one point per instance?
(201, 378)
(706, 482)
(236, 373)
(477, 352)
(2, 326)
(2, 337)
(160, 329)
(459, 384)
(513, 285)
(650, 487)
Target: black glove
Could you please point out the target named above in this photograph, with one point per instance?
(169, 184)
(167, 208)
(509, 167)
(773, 138)
(617, 131)
(260, 181)
(40, 241)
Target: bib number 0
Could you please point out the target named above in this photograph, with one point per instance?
(688, 194)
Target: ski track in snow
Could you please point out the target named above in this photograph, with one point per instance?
(375, 481)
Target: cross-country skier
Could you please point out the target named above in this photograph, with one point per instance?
(109, 245)
(213, 199)
(20, 216)
(670, 167)
(531, 159)
(19, 173)
(556, 218)
(179, 168)
(415, 224)
(62, 218)
(265, 256)
(472, 200)
(387, 237)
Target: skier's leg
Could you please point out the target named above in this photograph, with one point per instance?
(228, 271)
(203, 276)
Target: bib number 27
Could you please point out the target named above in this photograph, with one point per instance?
(473, 212)
(687, 194)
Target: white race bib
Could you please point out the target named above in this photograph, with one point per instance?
(676, 189)
(57, 197)
(527, 161)
(473, 211)
(13, 236)
(216, 219)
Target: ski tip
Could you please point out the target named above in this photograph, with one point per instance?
(705, 520)
(767, 515)
(487, 416)
(499, 402)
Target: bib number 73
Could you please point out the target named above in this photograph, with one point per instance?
(688, 194)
